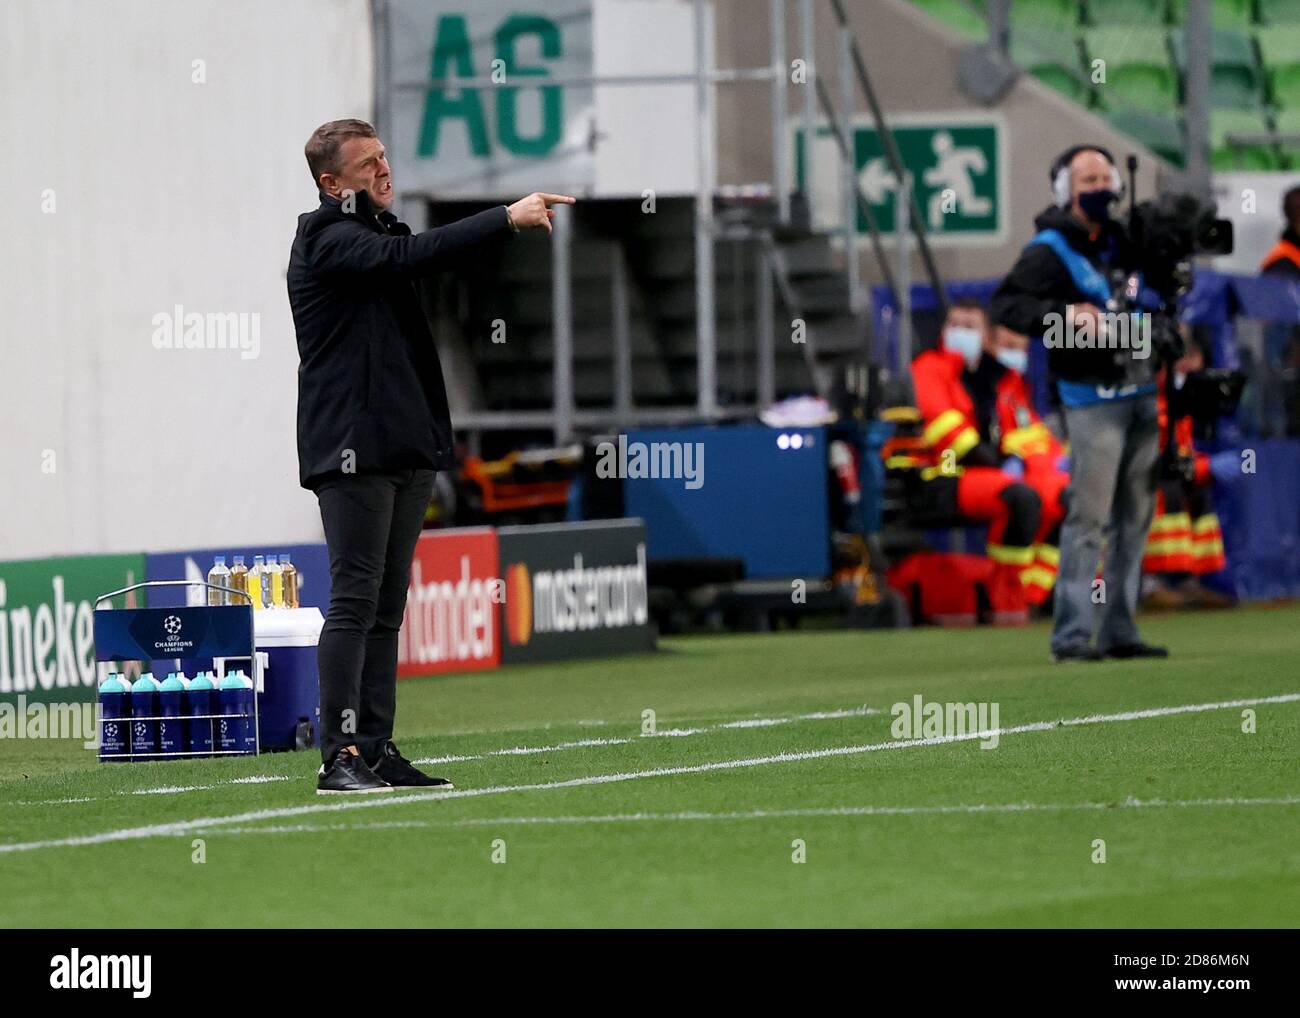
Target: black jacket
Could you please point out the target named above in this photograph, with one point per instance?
(370, 392)
(1039, 284)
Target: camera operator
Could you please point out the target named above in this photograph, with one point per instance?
(1059, 286)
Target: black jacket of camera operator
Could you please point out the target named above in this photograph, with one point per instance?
(1039, 285)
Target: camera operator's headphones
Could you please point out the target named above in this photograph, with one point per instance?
(1060, 173)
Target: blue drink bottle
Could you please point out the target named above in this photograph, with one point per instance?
(144, 706)
(115, 717)
(202, 701)
(172, 709)
(235, 697)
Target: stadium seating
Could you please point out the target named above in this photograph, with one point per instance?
(1279, 12)
(1162, 132)
(1127, 12)
(1279, 47)
(960, 15)
(1287, 124)
(1230, 151)
(1235, 78)
(1055, 15)
(1054, 62)
(661, 290)
(1254, 75)
(1227, 13)
(1139, 73)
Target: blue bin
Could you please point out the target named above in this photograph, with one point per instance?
(285, 677)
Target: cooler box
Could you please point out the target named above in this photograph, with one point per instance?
(288, 690)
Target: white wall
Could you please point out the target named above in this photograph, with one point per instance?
(645, 37)
(166, 192)
(1253, 201)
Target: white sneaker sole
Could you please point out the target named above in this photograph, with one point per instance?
(355, 791)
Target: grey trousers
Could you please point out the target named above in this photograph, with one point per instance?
(1114, 449)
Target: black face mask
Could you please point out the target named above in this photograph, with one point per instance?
(1096, 204)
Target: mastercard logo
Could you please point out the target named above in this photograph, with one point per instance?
(519, 604)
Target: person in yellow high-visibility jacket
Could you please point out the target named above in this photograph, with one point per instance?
(977, 414)
(961, 455)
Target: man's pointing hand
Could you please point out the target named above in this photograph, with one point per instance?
(535, 209)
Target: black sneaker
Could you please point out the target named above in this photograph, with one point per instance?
(398, 771)
(1127, 650)
(1081, 652)
(348, 774)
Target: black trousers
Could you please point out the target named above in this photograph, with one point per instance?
(372, 522)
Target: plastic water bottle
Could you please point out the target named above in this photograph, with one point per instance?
(289, 573)
(235, 698)
(202, 697)
(273, 584)
(219, 575)
(238, 579)
(115, 715)
(172, 708)
(256, 583)
(144, 707)
(248, 705)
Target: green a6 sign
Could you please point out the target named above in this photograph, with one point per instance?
(471, 140)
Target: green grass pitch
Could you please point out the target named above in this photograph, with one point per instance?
(768, 748)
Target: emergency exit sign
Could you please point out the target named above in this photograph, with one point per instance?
(957, 165)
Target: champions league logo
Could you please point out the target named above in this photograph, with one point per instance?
(172, 644)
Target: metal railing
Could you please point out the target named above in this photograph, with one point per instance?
(772, 278)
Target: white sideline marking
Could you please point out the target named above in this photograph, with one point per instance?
(544, 726)
(53, 802)
(758, 814)
(667, 733)
(522, 751)
(184, 826)
(255, 779)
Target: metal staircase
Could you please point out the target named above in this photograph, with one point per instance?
(710, 307)
(635, 271)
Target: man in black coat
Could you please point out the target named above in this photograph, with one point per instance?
(373, 427)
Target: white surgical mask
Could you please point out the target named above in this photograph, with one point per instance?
(967, 342)
(1016, 360)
